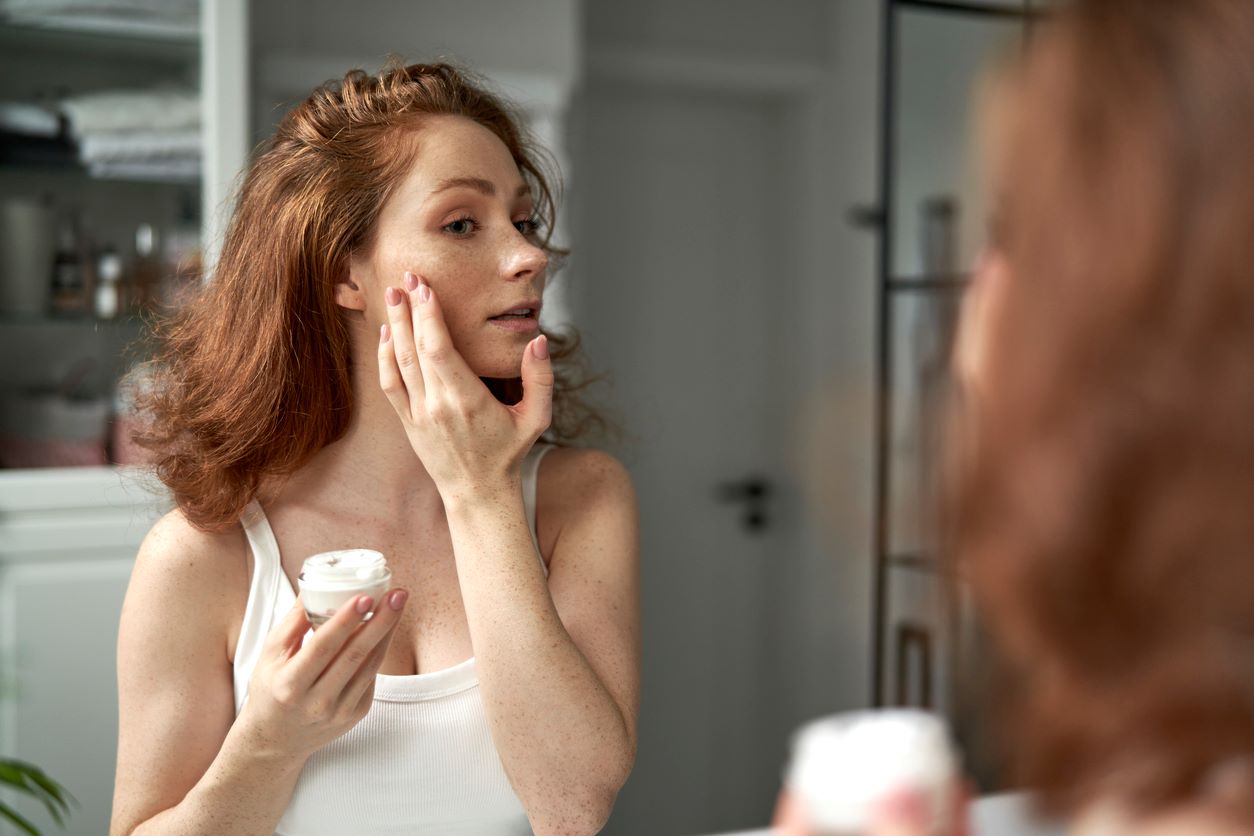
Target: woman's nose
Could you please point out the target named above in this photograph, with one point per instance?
(526, 260)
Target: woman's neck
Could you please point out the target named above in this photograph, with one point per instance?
(372, 469)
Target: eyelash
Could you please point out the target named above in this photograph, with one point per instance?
(531, 226)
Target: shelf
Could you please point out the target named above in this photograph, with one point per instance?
(137, 36)
(61, 156)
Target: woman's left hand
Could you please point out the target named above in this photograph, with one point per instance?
(466, 439)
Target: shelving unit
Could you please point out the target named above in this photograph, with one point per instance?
(43, 60)
(918, 619)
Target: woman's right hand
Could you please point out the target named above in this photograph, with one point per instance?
(305, 694)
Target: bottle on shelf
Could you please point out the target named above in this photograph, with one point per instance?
(69, 278)
(145, 270)
(108, 284)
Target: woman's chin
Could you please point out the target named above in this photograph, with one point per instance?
(496, 366)
(494, 355)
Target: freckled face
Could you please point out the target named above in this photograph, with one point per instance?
(462, 220)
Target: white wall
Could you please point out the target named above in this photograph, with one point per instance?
(784, 32)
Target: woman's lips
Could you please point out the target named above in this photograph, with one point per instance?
(517, 324)
(522, 318)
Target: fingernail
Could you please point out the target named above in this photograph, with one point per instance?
(424, 292)
(411, 281)
(384, 333)
(397, 599)
(540, 347)
(364, 604)
(393, 296)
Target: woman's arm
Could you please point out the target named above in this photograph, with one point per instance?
(186, 765)
(558, 660)
(176, 705)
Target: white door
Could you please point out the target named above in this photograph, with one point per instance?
(683, 229)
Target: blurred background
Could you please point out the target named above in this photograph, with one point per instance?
(772, 216)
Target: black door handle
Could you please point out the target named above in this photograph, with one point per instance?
(751, 492)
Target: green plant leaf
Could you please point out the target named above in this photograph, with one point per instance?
(58, 798)
(9, 813)
(34, 781)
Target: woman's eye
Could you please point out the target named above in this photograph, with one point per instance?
(528, 226)
(461, 226)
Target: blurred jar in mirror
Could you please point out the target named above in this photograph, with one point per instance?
(847, 770)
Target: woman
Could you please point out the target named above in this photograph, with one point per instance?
(1105, 458)
(1103, 499)
(333, 387)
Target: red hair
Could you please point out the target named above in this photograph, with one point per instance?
(1104, 510)
(254, 375)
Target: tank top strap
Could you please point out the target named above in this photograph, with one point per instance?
(530, 476)
(270, 597)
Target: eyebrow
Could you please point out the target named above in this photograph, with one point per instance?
(478, 184)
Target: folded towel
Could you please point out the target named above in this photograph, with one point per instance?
(170, 170)
(164, 19)
(132, 110)
(172, 9)
(139, 146)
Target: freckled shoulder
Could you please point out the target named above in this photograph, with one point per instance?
(201, 576)
(574, 484)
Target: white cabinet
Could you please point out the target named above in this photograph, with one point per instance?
(68, 539)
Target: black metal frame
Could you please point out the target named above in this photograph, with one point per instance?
(886, 287)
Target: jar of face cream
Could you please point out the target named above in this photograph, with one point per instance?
(330, 580)
(844, 765)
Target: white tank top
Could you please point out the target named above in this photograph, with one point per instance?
(422, 761)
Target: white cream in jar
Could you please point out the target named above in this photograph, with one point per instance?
(330, 580)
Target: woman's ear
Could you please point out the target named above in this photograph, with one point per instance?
(348, 294)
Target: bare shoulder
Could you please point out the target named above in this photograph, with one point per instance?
(179, 555)
(186, 570)
(581, 488)
(572, 479)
